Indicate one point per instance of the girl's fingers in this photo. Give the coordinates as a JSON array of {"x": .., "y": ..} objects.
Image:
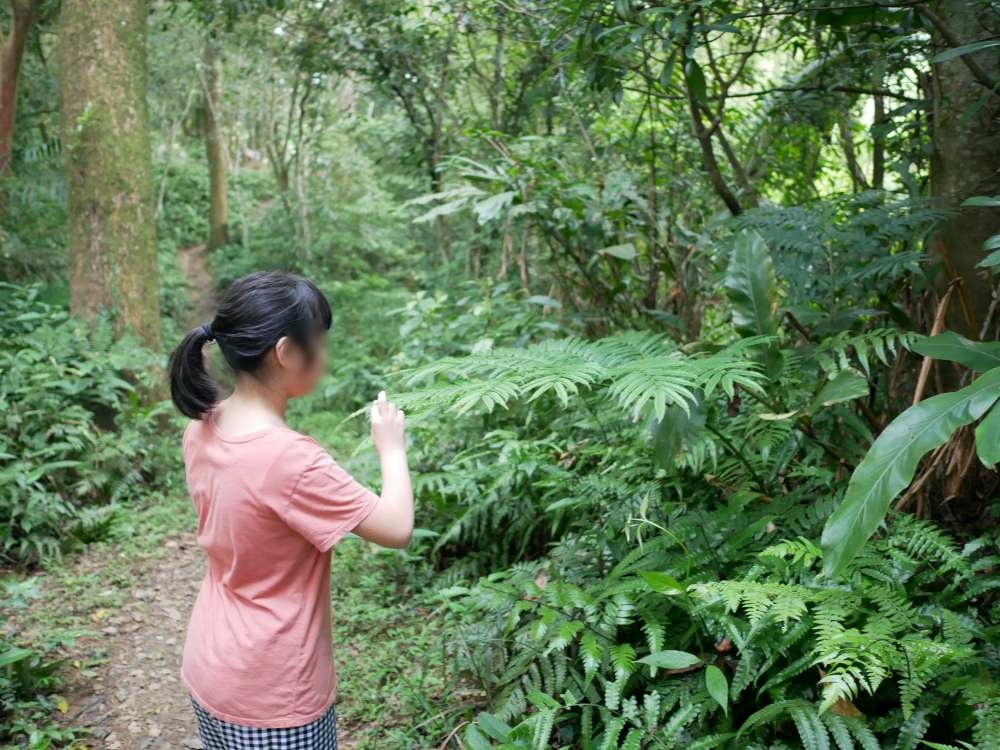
[{"x": 383, "y": 410}]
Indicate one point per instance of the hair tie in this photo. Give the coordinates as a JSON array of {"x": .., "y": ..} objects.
[{"x": 207, "y": 330}]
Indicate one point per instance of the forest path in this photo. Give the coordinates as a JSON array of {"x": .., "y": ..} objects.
[
  {"x": 193, "y": 261},
  {"x": 132, "y": 697},
  {"x": 135, "y": 699}
]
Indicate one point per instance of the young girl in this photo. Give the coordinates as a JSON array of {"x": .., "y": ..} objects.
[{"x": 271, "y": 504}]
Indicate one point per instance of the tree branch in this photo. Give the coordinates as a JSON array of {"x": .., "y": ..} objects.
[{"x": 722, "y": 189}]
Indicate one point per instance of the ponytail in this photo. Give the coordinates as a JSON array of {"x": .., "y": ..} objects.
[{"x": 191, "y": 387}]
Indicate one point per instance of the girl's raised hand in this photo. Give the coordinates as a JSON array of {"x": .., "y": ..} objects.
[
  {"x": 388, "y": 426},
  {"x": 391, "y": 522}
]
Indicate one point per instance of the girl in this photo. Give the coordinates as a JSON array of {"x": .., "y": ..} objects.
[{"x": 271, "y": 504}]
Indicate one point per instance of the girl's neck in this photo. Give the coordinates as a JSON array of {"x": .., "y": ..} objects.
[{"x": 255, "y": 404}]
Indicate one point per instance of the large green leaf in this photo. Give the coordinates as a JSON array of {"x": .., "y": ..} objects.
[
  {"x": 991, "y": 260},
  {"x": 717, "y": 686},
  {"x": 846, "y": 385},
  {"x": 982, "y": 201},
  {"x": 14, "y": 655},
  {"x": 988, "y": 438},
  {"x": 750, "y": 286},
  {"x": 979, "y": 356},
  {"x": 474, "y": 739},
  {"x": 694, "y": 76},
  {"x": 965, "y": 49},
  {"x": 891, "y": 462},
  {"x": 489, "y": 209},
  {"x": 670, "y": 659},
  {"x": 662, "y": 582},
  {"x": 678, "y": 428},
  {"x": 494, "y": 727},
  {"x": 625, "y": 251}
]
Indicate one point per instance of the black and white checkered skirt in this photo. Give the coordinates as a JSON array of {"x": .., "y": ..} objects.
[{"x": 217, "y": 734}]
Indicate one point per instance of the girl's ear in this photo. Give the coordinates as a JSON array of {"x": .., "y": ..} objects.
[{"x": 283, "y": 351}]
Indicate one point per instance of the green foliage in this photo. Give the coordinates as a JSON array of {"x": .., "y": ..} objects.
[
  {"x": 631, "y": 417},
  {"x": 634, "y": 601},
  {"x": 836, "y": 256},
  {"x": 751, "y": 287},
  {"x": 978, "y": 356},
  {"x": 642, "y": 373},
  {"x": 798, "y": 651},
  {"x": 28, "y": 676},
  {"x": 75, "y": 435},
  {"x": 892, "y": 462}
]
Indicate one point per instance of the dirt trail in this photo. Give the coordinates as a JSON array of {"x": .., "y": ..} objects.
[
  {"x": 194, "y": 265},
  {"x": 135, "y": 700}
]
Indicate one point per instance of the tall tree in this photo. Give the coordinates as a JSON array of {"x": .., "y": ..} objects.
[
  {"x": 23, "y": 14},
  {"x": 965, "y": 159},
  {"x": 215, "y": 148},
  {"x": 102, "y": 64}
]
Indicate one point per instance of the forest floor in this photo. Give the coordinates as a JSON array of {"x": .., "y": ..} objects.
[
  {"x": 119, "y": 611},
  {"x": 125, "y": 691},
  {"x": 194, "y": 266}
]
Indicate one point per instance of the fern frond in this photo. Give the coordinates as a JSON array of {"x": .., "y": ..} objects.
[{"x": 637, "y": 370}]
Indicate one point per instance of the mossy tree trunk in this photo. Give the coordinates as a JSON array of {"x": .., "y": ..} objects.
[
  {"x": 112, "y": 244},
  {"x": 215, "y": 148},
  {"x": 966, "y": 156},
  {"x": 23, "y": 13}
]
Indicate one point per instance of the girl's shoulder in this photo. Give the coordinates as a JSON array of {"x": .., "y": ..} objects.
[
  {"x": 274, "y": 443},
  {"x": 281, "y": 454}
]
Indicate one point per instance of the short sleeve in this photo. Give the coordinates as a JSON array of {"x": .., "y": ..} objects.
[{"x": 327, "y": 503}]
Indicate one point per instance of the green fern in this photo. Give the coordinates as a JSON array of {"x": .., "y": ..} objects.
[{"x": 640, "y": 372}]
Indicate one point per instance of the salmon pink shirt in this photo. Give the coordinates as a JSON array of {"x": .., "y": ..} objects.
[{"x": 271, "y": 505}]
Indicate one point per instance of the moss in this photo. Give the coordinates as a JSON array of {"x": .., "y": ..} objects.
[{"x": 102, "y": 60}]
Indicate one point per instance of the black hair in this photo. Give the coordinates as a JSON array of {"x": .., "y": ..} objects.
[{"x": 256, "y": 311}]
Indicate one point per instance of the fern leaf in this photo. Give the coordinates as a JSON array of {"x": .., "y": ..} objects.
[
  {"x": 633, "y": 741},
  {"x": 611, "y": 732},
  {"x": 812, "y": 732}
]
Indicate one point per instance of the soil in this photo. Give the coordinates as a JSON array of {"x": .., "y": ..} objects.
[
  {"x": 194, "y": 265},
  {"x": 136, "y": 699},
  {"x": 133, "y": 699}
]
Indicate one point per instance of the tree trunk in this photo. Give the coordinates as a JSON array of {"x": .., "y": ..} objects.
[
  {"x": 12, "y": 53},
  {"x": 966, "y": 154},
  {"x": 878, "y": 144},
  {"x": 845, "y": 127},
  {"x": 112, "y": 245},
  {"x": 215, "y": 150}
]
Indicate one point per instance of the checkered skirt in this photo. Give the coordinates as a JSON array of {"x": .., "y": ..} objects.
[{"x": 217, "y": 734}]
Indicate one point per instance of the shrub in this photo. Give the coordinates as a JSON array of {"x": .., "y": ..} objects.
[
  {"x": 76, "y": 439},
  {"x": 647, "y": 516}
]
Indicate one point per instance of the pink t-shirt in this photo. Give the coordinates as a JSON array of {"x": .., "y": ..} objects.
[{"x": 270, "y": 506}]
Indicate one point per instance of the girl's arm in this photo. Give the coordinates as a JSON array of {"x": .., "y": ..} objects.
[{"x": 390, "y": 524}]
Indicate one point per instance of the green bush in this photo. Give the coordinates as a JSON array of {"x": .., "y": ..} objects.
[
  {"x": 631, "y": 527},
  {"x": 76, "y": 441}
]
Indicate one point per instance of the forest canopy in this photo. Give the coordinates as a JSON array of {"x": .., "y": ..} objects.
[{"x": 691, "y": 305}]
